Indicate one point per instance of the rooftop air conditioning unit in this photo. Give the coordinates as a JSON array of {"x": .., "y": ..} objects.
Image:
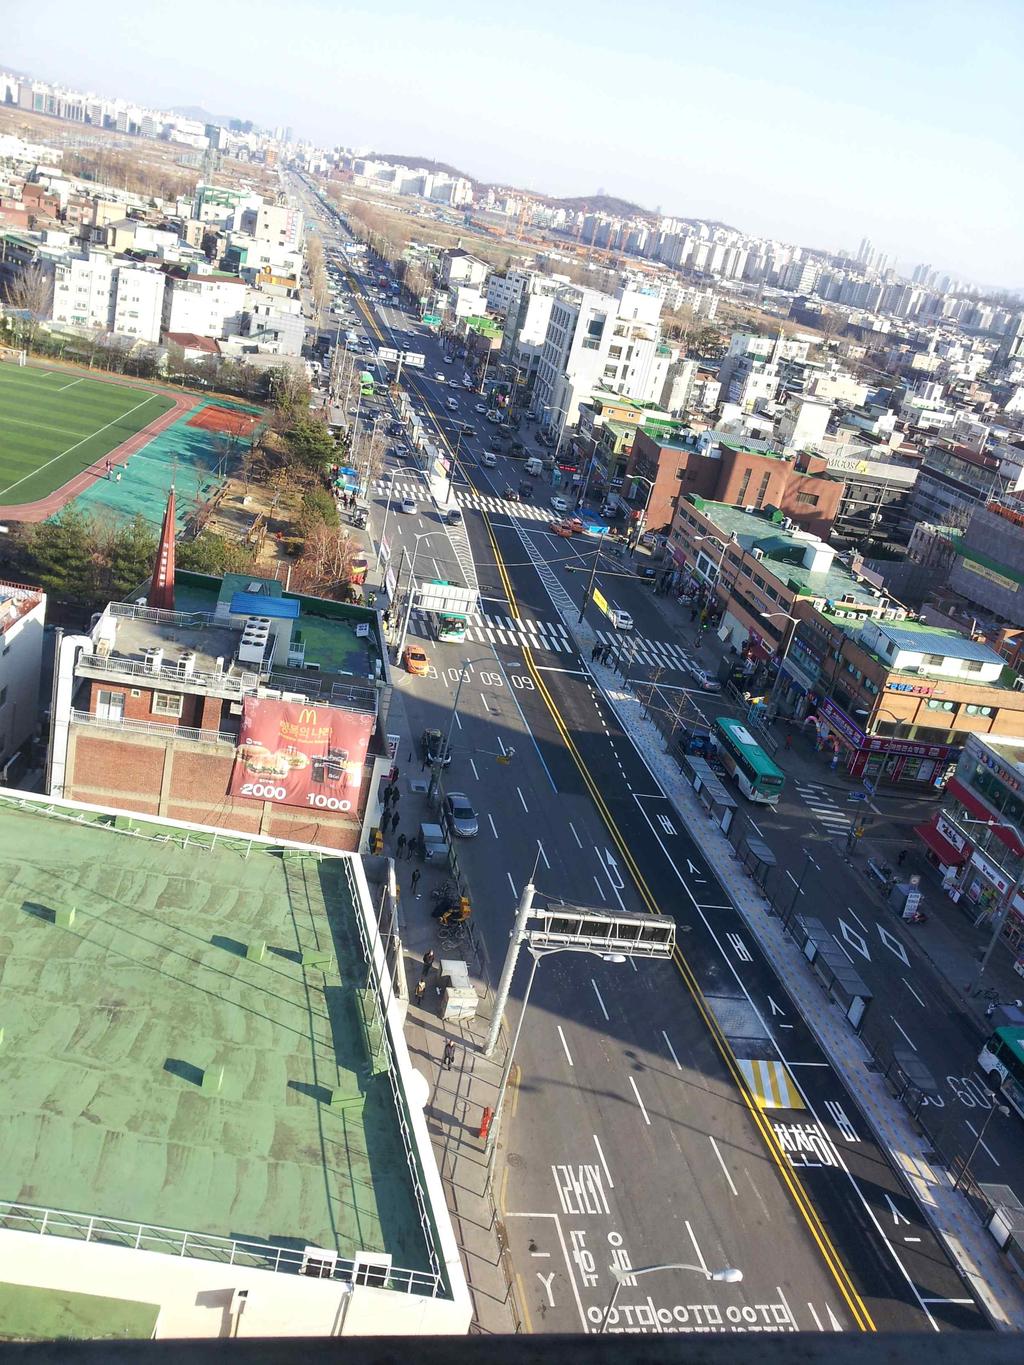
[
  {"x": 153, "y": 658},
  {"x": 187, "y": 663}
]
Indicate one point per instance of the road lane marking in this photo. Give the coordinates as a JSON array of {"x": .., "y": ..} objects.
[
  {"x": 600, "y": 892},
  {"x": 725, "y": 1169},
  {"x": 525, "y": 806},
  {"x": 770, "y": 1083},
  {"x": 565, "y": 1045},
  {"x": 647, "y": 1117},
  {"x": 511, "y": 883},
  {"x": 668, "y": 1043},
  {"x": 599, "y": 1000},
  {"x": 494, "y": 829},
  {"x": 540, "y": 848},
  {"x": 913, "y": 992},
  {"x": 696, "y": 1246},
  {"x": 814, "y": 1315},
  {"x": 983, "y": 1145},
  {"x": 607, "y": 1172},
  {"x": 904, "y": 1032},
  {"x": 575, "y": 835},
  {"x": 475, "y": 773}
]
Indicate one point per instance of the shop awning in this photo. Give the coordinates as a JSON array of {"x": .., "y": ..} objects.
[{"x": 948, "y": 854}]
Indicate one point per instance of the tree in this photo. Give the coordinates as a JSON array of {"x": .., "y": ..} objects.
[
  {"x": 318, "y": 509},
  {"x": 310, "y": 443},
  {"x": 31, "y": 293},
  {"x": 131, "y": 554},
  {"x": 213, "y": 554},
  {"x": 62, "y": 556},
  {"x": 289, "y": 389},
  {"x": 325, "y": 565}
]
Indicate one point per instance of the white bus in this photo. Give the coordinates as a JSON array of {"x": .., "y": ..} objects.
[{"x": 1002, "y": 1061}]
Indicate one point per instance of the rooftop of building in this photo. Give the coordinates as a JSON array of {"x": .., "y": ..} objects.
[
  {"x": 333, "y": 655},
  {"x": 116, "y": 1023},
  {"x": 783, "y": 552}
]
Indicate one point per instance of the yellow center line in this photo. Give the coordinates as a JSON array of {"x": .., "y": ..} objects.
[{"x": 819, "y": 1235}]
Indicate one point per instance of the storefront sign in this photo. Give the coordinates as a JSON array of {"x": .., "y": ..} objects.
[
  {"x": 917, "y": 689},
  {"x": 950, "y": 833},
  {"x": 994, "y": 765},
  {"x": 989, "y": 872},
  {"x": 841, "y": 723},
  {"x": 983, "y": 571},
  {"x": 879, "y": 744}
]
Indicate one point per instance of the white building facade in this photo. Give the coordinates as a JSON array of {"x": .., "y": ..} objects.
[{"x": 22, "y": 618}]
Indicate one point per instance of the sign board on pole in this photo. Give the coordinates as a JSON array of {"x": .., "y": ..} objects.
[
  {"x": 447, "y": 597},
  {"x": 387, "y": 353},
  {"x": 431, "y": 319},
  {"x": 390, "y": 583},
  {"x": 600, "y": 601},
  {"x": 414, "y": 360}
]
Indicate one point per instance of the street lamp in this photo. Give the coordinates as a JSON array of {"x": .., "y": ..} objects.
[
  {"x": 727, "y": 1275},
  {"x": 979, "y": 1139},
  {"x": 593, "y": 574},
  {"x": 641, "y": 520},
  {"x": 423, "y": 535},
  {"x": 446, "y": 745},
  {"x": 389, "y": 474},
  {"x": 770, "y": 615}
]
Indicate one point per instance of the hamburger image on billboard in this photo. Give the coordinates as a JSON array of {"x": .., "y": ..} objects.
[{"x": 297, "y": 754}]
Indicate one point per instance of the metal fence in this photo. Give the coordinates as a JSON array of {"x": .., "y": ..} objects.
[
  {"x": 152, "y": 727},
  {"x": 84, "y": 1227}
]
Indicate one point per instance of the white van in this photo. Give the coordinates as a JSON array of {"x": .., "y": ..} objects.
[
  {"x": 534, "y": 465},
  {"x": 489, "y": 459}
]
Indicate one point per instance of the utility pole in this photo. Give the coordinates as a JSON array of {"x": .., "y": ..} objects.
[
  {"x": 590, "y": 581},
  {"x": 446, "y": 743},
  {"x": 508, "y": 970}
]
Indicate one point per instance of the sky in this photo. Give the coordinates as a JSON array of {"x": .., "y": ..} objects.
[{"x": 811, "y": 121}]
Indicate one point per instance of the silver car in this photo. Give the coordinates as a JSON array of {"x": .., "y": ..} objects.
[{"x": 461, "y": 815}]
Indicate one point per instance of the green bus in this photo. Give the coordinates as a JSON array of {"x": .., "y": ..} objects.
[
  {"x": 757, "y": 777},
  {"x": 366, "y": 384},
  {"x": 1002, "y": 1061}
]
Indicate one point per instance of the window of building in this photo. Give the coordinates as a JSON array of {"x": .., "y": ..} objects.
[
  {"x": 978, "y": 710},
  {"x": 807, "y": 499},
  {"x": 935, "y": 660},
  {"x": 3, "y": 696},
  {"x": 744, "y": 484},
  {"x": 166, "y": 704},
  {"x": 941, "y": 706},
  {"x": 973, "y": 666},
  {"x": 765, "y": 480}
]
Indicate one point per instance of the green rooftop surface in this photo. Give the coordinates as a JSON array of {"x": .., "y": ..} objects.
[
  {"x": 31, "y": 1314},
  {"x": 111, "y": 1023},
  {"x": 782, "y": 550}
]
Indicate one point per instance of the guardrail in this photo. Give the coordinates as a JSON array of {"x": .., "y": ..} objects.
[
  {"x": 226, "y": 684},
  {"x": 152, "y": 727},
  {"x": 203, "y": 1246},
  {"x": 159, "y": 616}
]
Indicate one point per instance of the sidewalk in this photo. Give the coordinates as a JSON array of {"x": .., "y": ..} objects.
[{"x": 456, "y": 1099}]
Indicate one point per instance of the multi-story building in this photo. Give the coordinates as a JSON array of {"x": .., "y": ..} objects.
[
  {"x": 976, "y": 841},
  {"x": 85, "y": 290},
  {"x": 280, "y": 225},
  {"x": 989, "y": 566},
  {"x": 139, "y": 301},
  {"x": 954, "y": 480},
  {"x": 457, "y": 266},
  {"x": 22, "y": 619},
  {"x": 876, "y": 497},
  {"x": 197, "y": 713},
  {"x": 210, "y": 304},
  {"x": 274, "y": 321},
  {"x": 597, "y": 340}
]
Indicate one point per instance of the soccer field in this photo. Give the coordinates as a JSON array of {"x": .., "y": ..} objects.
[{"x": 54, "y": 424}]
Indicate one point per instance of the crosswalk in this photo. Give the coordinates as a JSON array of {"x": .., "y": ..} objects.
[
  {"x": 653, "y": 653},
  {"x": 823, "y": 803},
  {"x": 494, "y": 629},
  {"x": 465, "y": 497}
]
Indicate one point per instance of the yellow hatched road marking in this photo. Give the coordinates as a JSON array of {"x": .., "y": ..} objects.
[{"x": 770, "y": 1083}]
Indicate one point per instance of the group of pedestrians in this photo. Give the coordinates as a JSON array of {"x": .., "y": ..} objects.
[
  {"x": 600, "y": 654},
  {"x": 448, "y": 1055}
]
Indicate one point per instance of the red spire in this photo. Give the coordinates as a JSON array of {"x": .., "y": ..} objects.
[{"x": 161, "y": 589}]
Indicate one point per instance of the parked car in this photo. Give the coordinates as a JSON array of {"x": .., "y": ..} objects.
[
  {"x": 646, "y": 571},
  {"x": 433, "y": 748},
  {"x": 416, "y": 661},
  {"x": 703, "y": 678},
  {"x": 460, "y": 815},
  {"x": 481, "y": 408}
]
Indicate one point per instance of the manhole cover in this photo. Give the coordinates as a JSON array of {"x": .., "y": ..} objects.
[
  {"x": 515, "y": 1160},
  {"x": 736, "y": 1017}
]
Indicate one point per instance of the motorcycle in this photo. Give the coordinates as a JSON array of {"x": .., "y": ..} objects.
[{"x": 915, "y": 917}]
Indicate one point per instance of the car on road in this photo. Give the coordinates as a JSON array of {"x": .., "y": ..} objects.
[
  {"x": 416, "y": 661},
  {"x": 703, "y": 678},
  {"x": 452, "y": 405},
  {"x": 494, "y": 416},
  {"x": 434, "y": 750},
  {"x": 560, "y": 504},
  {"x": 646, "y": 571},
  {"x": 460, "y": 815},
  {"x": 567, "y": 528},
  {"x": 489, "y": 459},
  {"x": 409, "y": 505},
  {"x": 439, "y": 376},
  {"x": 620, "y": 619},
  {"x": 447, "y": 360},
  {"x": 481, "y": 408}
]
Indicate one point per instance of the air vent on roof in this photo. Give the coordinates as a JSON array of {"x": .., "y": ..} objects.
[{"x": 152, "y": 658}]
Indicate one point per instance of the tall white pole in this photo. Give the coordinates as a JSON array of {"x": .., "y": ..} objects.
[{"x": 508, "y": 970}]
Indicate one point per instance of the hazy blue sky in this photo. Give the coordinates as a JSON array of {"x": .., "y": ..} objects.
[{"x": 811, "y": 120}]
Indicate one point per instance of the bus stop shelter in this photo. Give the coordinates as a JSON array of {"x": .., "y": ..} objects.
[{"x": 710, "y": 791}]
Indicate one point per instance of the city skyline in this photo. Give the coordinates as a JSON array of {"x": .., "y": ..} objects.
[{"x": 751, "y": 130}]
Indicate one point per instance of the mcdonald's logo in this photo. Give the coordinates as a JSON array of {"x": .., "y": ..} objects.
[{"x": 307, "y": 716}]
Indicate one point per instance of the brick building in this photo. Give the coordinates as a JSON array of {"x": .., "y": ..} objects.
[
  {"x": 155, "y": 708},
  {"x": 713, "y": 466}
]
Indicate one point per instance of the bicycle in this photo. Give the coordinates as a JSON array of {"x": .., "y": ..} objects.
[{"x": 454, "y": 932}]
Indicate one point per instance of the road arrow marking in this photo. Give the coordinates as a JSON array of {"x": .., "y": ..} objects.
[{"x": 897, "y": 1217}]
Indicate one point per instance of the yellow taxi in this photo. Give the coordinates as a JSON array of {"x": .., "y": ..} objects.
[{"x": 416, "y": 661}]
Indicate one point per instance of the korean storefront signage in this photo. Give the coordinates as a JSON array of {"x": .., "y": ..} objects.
[{"x": 841, "y": 723}]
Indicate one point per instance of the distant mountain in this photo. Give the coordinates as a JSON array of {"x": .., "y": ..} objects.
[
  {"x": 424, "y": 162},
  {"x": 600, "y": 203}
]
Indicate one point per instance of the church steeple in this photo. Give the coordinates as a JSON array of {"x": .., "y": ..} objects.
[{"x": 161, "y": 589}]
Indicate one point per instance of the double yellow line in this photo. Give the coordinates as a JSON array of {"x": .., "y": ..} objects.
[{"x": 799, "y": 1195}]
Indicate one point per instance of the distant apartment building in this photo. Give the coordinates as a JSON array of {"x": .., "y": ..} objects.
[
  {"x": 954, "y": 479},
  {"x": 989, "y": 566},
  {"x": 139, "y": 302},
  {"x": 22, "y": 619},
  {"x": 85, "y": 290}
]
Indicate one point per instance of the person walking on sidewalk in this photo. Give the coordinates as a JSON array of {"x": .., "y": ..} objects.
[
  {"x": 449, "y": 1055},
  {"x": 789, "y": 741},
  {"x": 394, "y": 822},
  {"x": 901, "y": 857},
  {"x": 428, "y": 962},
  {"x": 400, "y": 846},
  {"x": 421, "y": 990},
  {"x": 414, "y": 882},
  {"x": 595, "y": 653}
]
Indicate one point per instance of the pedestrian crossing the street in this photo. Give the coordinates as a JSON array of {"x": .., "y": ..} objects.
[
  {"x": 652, "y": 653},
  {"x": 491, "y": 628},
  {"x": 823, "y": 803}
]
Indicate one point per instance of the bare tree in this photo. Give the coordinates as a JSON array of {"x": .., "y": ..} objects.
[
  {"x": 31, "y": 293},
  {"x": 326, "y": 563}
]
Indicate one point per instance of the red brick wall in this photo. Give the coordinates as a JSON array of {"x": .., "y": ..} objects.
[{"x": 141, "y": 707}]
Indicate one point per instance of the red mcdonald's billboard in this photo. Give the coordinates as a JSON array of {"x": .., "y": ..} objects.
[{"x": 298, "y": 754}]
